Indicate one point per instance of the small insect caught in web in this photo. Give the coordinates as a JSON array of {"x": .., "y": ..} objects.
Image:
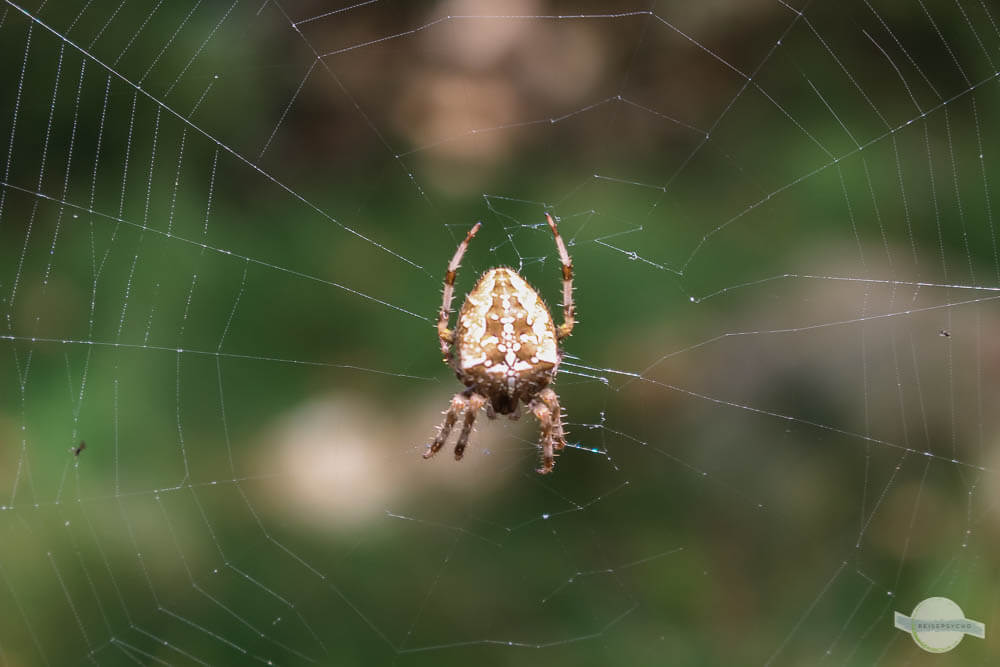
[
  {"x": 508, "y": 351},
  {"x": 79, "y": 448},
  {"x": 944, "y": 333}
]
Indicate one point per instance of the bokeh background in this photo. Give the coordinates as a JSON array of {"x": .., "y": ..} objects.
[{"x": 223, "y": 231}]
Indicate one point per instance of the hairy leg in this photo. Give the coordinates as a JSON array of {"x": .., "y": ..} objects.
[
  {"x": 476, "y": 402},
  {"x": 551, "y": 400},
  {"x": 544, "y": 416},
  {"x": 446, "y": 335},
  {"x": 458, "y": 403},
  {"x": 569, "y": 307}
]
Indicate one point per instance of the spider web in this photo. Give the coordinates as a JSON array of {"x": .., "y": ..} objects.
[{"x": 224, "y": 228}]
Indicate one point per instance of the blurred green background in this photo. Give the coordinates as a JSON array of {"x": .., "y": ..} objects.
[{"x": 223, "y": 233}]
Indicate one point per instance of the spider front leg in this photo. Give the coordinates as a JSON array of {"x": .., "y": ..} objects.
[
  {"x": 551, "y": 400},
  {"x": 476, "y": 402},
  {"x": 446, "y": 335},
  {"x": 470, "y": 404},
  {"x": 458, "y": 403},
  {"x": 546, "y": 419}
]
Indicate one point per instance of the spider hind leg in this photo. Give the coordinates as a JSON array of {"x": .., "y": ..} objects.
[
  {"x": 569, "y": 306},
  {"x": 446, "y": 335}
]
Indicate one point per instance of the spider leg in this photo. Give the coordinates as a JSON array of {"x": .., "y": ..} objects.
[
  {"x": 458, "y": 403},
  {"x": 446, "y": 335},
  {"x": 476, "y": 401},
  {"x": 551, "y": 400},
  {"x": 544, "y": 416},
  {"x": 490, "y": 412},
  {"x": 569, "y": 307}
]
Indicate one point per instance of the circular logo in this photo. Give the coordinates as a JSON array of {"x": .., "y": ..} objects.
[{"x": 937, "y": 625}]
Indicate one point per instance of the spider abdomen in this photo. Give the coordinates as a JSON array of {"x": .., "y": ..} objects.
[{"x": 506, "y": 339}]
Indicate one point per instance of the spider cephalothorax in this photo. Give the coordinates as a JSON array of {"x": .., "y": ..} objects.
[{"x": 508, "y": 350}]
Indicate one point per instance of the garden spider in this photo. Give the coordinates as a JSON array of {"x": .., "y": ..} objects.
[{"x": 507, "y": 351}]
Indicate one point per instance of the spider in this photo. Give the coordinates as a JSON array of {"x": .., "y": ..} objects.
[{"x": 508, "y": 351}]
